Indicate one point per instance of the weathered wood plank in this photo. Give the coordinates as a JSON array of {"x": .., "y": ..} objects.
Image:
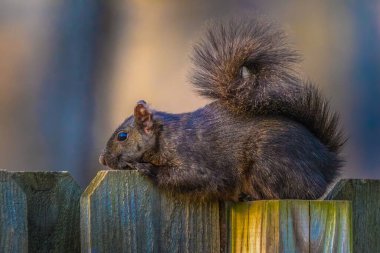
[
  {"x": 268, "y": 226},
  {"x": 289, "y": 226},
  {"x": 330, "y": 226},
  {"x": 365, "y": 197},
  {"x": 295, "y": 226},
  {"x": 53, "y": 210},
  {"x": 238, "y": 217},
  {"x": 13, "y": 221},
  {"x": 122, "y": 211}
]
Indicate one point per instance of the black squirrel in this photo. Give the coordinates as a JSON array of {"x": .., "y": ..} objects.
[{"x": 268, "y": 134}]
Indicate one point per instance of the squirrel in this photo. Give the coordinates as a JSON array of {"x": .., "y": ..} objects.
[{"x": 267, "y": 134}]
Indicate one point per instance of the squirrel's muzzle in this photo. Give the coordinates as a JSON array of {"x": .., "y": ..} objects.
[{"x": 102, "y": 161}]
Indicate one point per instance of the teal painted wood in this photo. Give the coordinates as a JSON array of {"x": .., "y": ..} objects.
[
  {"x": 53, "y": 210},
  {"x": 122, "y": 211},
  {"x": 330, "y": 226},
  {"x": 365, "y": 197},
  {"x": 13, "y": 221}
]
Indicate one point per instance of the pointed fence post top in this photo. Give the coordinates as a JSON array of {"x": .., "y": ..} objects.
[{"x": 122, "y": 211}]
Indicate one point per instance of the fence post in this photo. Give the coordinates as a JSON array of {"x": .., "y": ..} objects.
[
  {"x": 53, "y": 210},
  {"x": 365, "y": 197},
  {"x": 13, "y": 222},
  {"x": 121, "y": 211},
  {"x": 289, "y": 226}
]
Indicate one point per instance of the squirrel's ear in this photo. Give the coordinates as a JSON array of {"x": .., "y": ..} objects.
[
  {"x": 245, "y": 72},
  {"x": 143, "y": 116}
]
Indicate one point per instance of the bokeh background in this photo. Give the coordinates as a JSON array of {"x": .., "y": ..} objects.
[{"x": 71, "y": 71}]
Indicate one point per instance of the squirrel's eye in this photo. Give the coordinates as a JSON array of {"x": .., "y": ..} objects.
[{"x": 122, "y": 136}]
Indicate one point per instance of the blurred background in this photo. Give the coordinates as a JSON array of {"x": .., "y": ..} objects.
[{"x": 71, "y": 71}]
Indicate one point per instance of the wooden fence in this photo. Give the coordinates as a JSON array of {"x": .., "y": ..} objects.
[{"x": 121, "y": 211}]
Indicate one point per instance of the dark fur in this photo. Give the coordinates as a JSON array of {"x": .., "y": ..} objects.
[
  {"x": 274, "y": 88},
  {"x": 268, "y": 135}
]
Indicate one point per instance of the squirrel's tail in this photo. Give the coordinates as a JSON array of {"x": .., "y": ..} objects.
[
  {"x": 312, "y": 110},
  {"x": 249, "y": 67}
]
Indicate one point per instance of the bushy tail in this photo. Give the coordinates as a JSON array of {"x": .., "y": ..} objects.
[
  {"x": 312, "y": 110},
  {"x": 249, "y": 67}
]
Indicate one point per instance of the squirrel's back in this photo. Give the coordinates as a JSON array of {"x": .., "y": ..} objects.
[{"x": 262, "y": 156}]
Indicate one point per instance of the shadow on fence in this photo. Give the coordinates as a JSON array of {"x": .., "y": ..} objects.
[{"x": 121, "y": 211}]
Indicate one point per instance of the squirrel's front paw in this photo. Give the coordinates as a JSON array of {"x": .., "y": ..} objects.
[
  {"x": 129, "y": 166},
  {"x": 146, "y": 169}
]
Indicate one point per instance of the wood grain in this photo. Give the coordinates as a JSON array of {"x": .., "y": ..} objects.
[
  {"x": 289, "y": 226},
  {"x": 122, "y": 211},
  {"x": 365, "y": 197},
  {"x": 53, "y": 211},
  {"x": 330, "y": 226},
  {"x": 13, "y": 221}
]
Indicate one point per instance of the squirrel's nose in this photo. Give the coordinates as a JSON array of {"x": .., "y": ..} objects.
[{"x": 102, "y": 161}]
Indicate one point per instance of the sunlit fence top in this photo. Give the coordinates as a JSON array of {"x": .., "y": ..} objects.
[{"x": 121, "y": 211}]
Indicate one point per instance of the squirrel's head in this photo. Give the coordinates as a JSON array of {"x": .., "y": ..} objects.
[{"x": 131, "y": 140}]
